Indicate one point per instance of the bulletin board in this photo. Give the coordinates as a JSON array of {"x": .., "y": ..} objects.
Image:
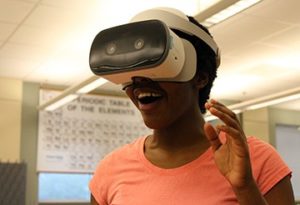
[{"x": 75, "y": 137}]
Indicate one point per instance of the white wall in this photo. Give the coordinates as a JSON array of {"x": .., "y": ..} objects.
[
  {"x": 256, "y": 123},
  {"x": 10, "y": 119}
]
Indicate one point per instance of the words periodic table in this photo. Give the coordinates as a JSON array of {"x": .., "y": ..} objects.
[{"x": 75, "y": 137}]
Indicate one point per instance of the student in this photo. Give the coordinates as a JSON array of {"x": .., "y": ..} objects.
[{"x": 187, "y": 161}]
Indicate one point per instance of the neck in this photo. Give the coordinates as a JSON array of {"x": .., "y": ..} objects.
[
  {"x": 184, "y": 133},
  {"x": 177, "y": 144}
]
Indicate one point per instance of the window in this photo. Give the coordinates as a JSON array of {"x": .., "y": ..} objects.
[{"x": 67, "y": 187}]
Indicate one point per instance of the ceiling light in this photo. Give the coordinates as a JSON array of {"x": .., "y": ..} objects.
[
  {"x": 91, "y": 86},
  {"x": 257, "y": 103},
  {"x": 72, "y": 93},
  {"x": 222, "y": 11},
  {"x": 61, "y": 102},
  {"x": 274, "y": 102}
]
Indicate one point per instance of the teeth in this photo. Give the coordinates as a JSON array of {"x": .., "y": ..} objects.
[{"x": 142, "y": 95}]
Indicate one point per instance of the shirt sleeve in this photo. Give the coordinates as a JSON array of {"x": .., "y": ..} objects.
[
  {"x": 98, "y": 183},
  {"x": 268, "y": 166}
]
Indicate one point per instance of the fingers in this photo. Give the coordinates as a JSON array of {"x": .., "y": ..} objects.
[
  {"x": 223, "y": 113},
  {"x": 212, "y": 136},
  {"x": 234, "y": 133},
  {"x": 231, "y": 125}
]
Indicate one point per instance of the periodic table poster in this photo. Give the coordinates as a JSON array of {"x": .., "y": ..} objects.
[{"x": 75, "y": 137}]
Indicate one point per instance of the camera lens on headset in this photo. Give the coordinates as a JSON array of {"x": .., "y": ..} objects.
[
  {"x": 111, "y": 48},
  {"x": 138, "y": 44}
]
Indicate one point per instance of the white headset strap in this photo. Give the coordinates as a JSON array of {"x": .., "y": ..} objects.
[{"x": 176, "y": 22}]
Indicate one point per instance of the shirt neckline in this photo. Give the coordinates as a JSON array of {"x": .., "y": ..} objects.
[{"x": 172, "y": 171}]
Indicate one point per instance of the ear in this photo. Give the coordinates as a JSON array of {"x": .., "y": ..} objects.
[{"x": 201, "y": 80}]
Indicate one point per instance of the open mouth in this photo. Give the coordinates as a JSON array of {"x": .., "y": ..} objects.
[{"x": 149, "y": 97}]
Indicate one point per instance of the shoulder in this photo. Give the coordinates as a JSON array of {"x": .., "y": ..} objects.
[
  {"x": 267, "y": 165},
  {"x": 262, "y": 152},
  {"x": 259, "y": 145}
]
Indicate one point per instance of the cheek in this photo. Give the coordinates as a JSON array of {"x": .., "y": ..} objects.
[
  {"x": 181, "y": 99},
  {"x": 180, "y": 95}
]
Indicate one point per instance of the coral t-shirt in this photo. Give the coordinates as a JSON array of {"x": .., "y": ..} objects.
[{"x": 126, "y": 177}]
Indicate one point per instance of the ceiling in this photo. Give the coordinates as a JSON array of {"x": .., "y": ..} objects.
[{"x": 48, "y": 41}]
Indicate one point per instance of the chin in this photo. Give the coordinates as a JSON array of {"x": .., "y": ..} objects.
[
  {"x": 152, "y": 125},
  {"x": 156, "y": 124}
]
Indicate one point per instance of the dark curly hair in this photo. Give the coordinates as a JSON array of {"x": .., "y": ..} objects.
[{"x": 206, "y": 61}]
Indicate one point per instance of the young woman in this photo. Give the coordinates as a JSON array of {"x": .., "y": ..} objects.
[{"x": 186, "y": 160}]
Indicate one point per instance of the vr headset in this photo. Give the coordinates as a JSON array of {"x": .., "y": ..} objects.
[{"x": 147, "y": 47}]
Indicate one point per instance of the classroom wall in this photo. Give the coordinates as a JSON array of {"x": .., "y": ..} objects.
[
  {"x": 10, "y": 119},
  {"x": 284, "y": 117},
  {"x": 262, "y": 122},
  {"x": 256, "y": 123}
]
